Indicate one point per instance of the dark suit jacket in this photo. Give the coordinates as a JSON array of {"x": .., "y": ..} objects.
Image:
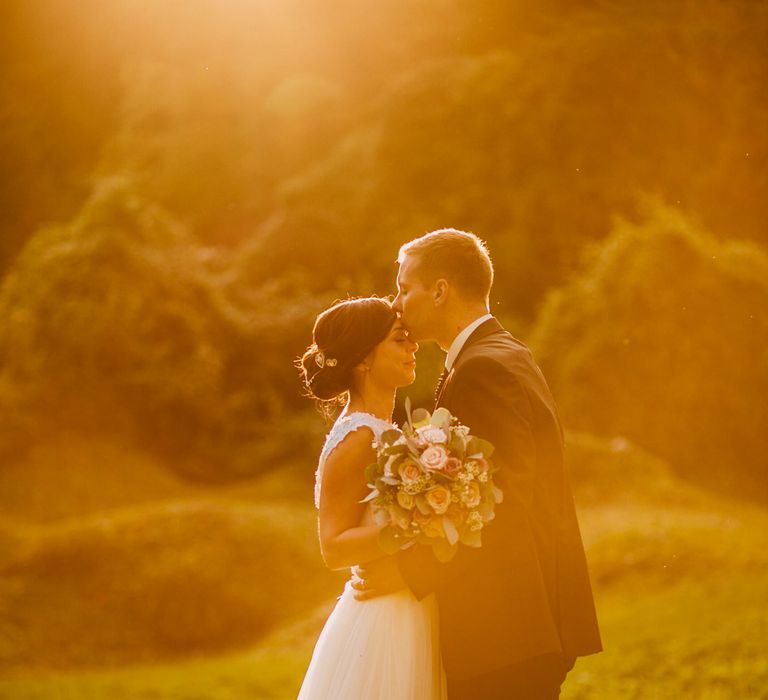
[{"x": 526, "y": 591}]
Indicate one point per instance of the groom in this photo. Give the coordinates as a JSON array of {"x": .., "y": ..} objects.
[{"x": 516, "y": 612}]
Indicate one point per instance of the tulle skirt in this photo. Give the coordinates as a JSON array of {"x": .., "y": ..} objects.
[{"x": 386, "y": 648}]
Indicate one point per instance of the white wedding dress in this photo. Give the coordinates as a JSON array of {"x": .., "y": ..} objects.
[{"x": 385, "y": 648}]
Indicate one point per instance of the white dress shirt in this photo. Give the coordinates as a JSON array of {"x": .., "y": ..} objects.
[{"x": 461, "y": 338}]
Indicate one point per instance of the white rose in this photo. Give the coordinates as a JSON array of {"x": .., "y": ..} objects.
[{"x": 432, "y": 434}]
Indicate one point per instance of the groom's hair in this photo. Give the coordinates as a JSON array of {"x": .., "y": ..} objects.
[{"x": 460, "y": 258}]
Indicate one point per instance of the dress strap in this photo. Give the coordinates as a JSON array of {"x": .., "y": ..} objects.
[{"x": 341, "y": 428}]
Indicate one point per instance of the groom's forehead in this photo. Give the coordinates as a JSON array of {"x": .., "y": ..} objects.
[{"x": 407, "y": 272}]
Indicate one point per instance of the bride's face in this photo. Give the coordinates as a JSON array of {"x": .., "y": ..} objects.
[{"x": 393, "y": 361}]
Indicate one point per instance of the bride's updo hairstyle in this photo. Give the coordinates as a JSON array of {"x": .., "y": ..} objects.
[{"x": 344, "y": 335}]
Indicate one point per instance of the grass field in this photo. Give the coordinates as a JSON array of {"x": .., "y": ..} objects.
[
  {"x": 681, "y": 584},
  {"x": 692, "y": 640}
]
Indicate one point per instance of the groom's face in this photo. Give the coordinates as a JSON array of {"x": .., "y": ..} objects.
[{"x": 414, "y": 301}]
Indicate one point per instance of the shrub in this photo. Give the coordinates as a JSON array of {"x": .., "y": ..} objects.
[
  {"x": 662, "y": 338},
  {"x": 120, "y": 321}
]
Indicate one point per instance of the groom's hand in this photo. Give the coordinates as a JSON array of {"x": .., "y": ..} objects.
[{"x": 377, "y": 578}]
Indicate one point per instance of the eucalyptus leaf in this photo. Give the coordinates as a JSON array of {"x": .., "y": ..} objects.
[
  {"x": 472, "y": 538},
  {"x": 484, "y": 446},
  {"x": 451, "y": 533},
  {"x": 422, "y": 505},
  {"x": 441, "y": 418},
  {"x": 373, "y": 494},
  {"x": 420, "y": 417},
  {"x": 456, "y": 446},
  {"x": 390, "y": 436},
  {"x": 444, "y": 551}
]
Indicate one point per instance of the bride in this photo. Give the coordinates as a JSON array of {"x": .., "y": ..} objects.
[{"x": 386, "y": 647}]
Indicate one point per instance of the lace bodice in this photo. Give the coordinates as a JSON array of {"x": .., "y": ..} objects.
[{"x": 341, "y": 428}]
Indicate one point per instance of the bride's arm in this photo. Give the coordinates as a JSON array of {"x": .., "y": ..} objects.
[{"x": 344, "y": 541}]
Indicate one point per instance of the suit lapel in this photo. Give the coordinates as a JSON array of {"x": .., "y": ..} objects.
[
  {"x": 482, "y": 331},
  {"x": 441, "y": 384}
]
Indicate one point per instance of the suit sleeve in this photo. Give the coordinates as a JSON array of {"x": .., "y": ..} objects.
[{"x": 489, "y": 399}]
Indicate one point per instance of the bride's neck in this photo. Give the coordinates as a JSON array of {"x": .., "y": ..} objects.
[{"x": 379, "y": 404}]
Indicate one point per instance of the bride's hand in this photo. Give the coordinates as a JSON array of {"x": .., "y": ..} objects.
[{"x": 377, "y": 578}]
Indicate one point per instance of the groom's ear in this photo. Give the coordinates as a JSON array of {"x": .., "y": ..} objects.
[{"x": 440, "y": 292}]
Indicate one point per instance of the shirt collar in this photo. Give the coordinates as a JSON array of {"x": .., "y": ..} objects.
[{"x": 461, "y": 338}]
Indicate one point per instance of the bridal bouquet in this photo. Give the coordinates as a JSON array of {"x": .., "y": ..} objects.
[{"x": 432, "y": 483}]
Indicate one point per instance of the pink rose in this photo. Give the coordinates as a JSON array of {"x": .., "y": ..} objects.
[
  {"x": 439, "y": 498},
  {"x": 452, "y": 466},
  {"x": 409, "y": 471},
  {"x": 434, "y": 458}
]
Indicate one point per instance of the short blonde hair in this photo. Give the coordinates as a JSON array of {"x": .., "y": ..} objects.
[{"x": 459, "y": 257}]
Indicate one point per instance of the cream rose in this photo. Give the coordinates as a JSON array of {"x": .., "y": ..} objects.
[
  {"x": 409, "y": 471},
  {"x": 405, "y": 500},
  {"x": 439, "y": 498},
  {"x": 434, "y": 458}
]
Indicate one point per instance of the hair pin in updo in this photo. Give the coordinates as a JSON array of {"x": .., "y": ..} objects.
[{"x": 321, "y": 360}]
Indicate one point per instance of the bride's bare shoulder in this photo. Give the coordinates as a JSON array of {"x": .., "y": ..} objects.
[{"x": 357, "y": 444}]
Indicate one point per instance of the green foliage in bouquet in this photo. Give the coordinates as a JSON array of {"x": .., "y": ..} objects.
[{"x": 432, "y": 484}]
